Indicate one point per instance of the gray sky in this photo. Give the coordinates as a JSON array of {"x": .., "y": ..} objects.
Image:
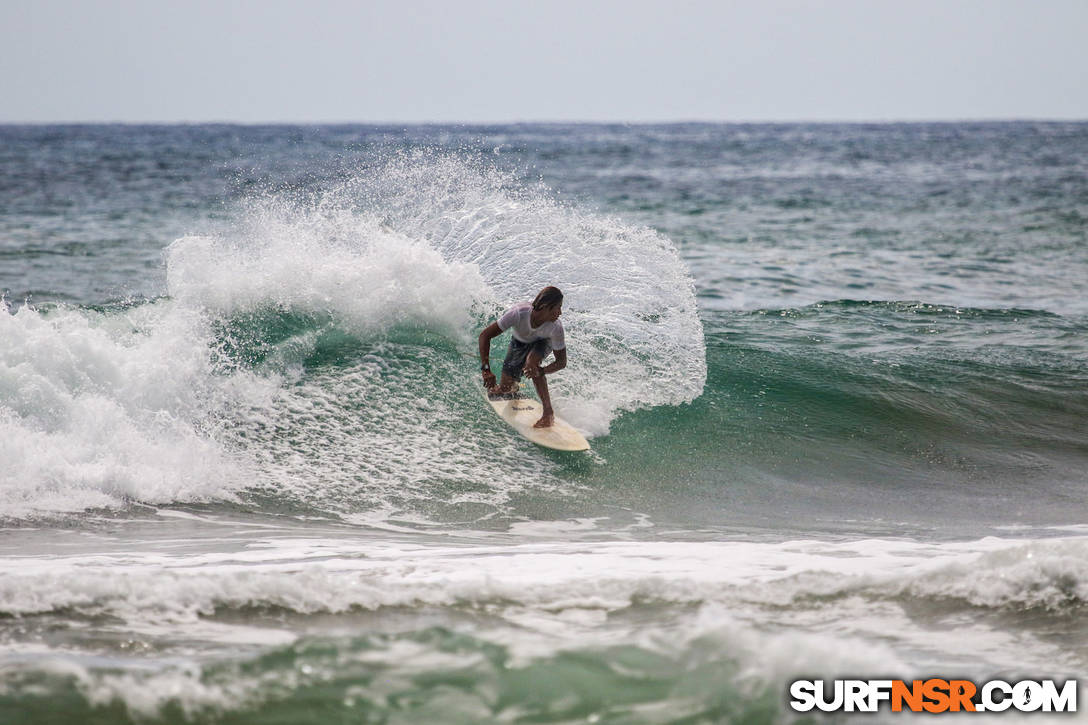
[{"x": 511, "y": 60}]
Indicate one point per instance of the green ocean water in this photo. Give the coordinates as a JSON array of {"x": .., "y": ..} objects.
[{"x": 834, "y": 377}]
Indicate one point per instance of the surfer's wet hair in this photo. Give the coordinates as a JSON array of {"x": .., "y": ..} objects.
[{"x": 547, "y": 297}]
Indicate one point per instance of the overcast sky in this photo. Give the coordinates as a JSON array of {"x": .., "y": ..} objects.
[{"x": 513, "y": 60}]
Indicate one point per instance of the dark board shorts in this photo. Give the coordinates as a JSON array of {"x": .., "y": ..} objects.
[{"x": 519, "y": 351}]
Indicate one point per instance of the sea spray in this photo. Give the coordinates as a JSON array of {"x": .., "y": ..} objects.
[{"x": 634, "y": 333}]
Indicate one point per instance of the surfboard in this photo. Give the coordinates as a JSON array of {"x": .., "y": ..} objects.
[{"x": 520, "y": 412}]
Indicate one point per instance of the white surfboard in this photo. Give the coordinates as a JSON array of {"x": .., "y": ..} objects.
[{"x": 520, "y": 412}]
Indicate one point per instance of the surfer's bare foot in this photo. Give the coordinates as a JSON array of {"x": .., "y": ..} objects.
[{"x": 546, "y": 421}]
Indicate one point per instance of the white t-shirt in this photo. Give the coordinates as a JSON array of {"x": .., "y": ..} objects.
[{"x": 517, "y": 319}]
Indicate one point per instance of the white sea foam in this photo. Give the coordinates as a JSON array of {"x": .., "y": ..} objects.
[
  {"x": 1050, "y": 575},
  {"x": 774, "y": 611},
  {"x": 143, "y": 693},
  {"x": 97, "y": 409},
  {"x": 324, "y": 261},
  {"x": 309, "y": 576}
]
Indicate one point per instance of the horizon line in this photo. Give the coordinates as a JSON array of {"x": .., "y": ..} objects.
[{"x": 548, "y": 122}]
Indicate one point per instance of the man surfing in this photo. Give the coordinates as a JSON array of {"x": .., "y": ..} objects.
[{"x": 535, "y": 331}]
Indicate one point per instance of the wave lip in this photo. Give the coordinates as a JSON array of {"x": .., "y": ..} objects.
[{"x": 1050, "y": 575}]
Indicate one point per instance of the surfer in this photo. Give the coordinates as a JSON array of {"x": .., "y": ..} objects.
[{"x": 535, "y": 331}]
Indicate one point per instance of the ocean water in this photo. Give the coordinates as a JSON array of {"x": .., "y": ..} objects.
[{"x": 835, "y": 378}]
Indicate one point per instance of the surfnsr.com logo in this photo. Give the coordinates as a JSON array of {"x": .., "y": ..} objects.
[{"x": 933, "y": 695}]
